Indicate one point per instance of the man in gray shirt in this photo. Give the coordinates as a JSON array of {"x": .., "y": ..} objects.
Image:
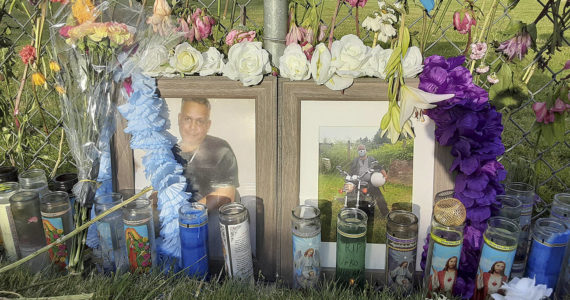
[{"x": 362, "y": 164}]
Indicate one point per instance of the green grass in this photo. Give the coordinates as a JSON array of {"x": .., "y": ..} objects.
[
  {"x": 159, "y": 286},
  {"x": 331, "y": 202}
]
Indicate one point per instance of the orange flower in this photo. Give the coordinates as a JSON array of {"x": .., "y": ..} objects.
[
  {"x": 84, "y": 11},
  {"x": 38, "y": 78}
]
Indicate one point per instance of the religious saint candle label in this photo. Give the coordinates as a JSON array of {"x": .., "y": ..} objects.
[
  {"x": 106, "y": 242},
  {"x": 138, "y": 248},
  {"x": 494, "y": 268},
  {"x": 445, "y": 260},
  {"x": 237, "y": 250},
  {"x": 53, "y": 229},
  {"x": 307, "y": 265},
  {"x": 544, "y": 262},
  {"x": 401, "y": 262}
]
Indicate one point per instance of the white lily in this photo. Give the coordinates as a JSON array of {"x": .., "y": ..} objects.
[
  {"x": 413, "y": 98},
  {"x": 372, "y": 23},
  {"x": 320, "y": 67}
]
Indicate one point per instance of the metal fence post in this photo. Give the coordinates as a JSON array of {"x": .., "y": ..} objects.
[{"x": 274, "y": 28}]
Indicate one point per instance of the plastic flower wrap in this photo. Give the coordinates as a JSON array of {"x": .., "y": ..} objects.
[{"x": 86, "y": 44}]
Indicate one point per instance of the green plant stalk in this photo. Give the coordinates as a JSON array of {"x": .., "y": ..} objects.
[
  {"x": 486, "y": 27},
  {"x": 77, "y": 230}
]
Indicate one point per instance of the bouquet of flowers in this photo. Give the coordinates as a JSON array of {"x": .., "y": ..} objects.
[{"x": 86, "y": 45}]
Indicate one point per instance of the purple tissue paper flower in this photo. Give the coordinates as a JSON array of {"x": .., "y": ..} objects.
[{"x": 472, "y": 127}]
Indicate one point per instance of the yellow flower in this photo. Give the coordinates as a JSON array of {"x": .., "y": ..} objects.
[
  {"x": 83, "y": 11},
  {"x": 120, "y": 34},
  {"x": 54, "y": 66},
  {"x": 59, "y": 89},
  {"x": 99, "y": 32},
  {"x": 62, "y": 259},
  {"x": 38, "y": 78},
  {"x": 60, "y": 231},
  {"x": 145, "y": 240}
]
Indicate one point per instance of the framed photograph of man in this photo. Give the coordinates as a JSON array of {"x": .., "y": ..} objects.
[
  {"x": 332, "y": 155},
  {"x": 226, "y": 141}
]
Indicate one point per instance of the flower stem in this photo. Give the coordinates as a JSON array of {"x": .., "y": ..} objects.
[
  {"x": 77, "y": 230},
  {"x": 357, "y": 23},
  {"x": 333, "y": 24}
]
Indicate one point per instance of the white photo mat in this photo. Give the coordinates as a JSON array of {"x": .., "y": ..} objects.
[{"x": 315, "y": 114}]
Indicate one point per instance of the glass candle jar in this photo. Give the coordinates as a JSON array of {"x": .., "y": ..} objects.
[
  {"x": 351, "y": 246},
  {"x": 65, "y": 183},
  {"x": 34, "y": 180},
  {"x": 25, "y": 207},
  {"x": 193, "y": 220},
  {"x": 234, "y": 231},
  {"x": 497, "y": 257},
  {"x": 549, "y": 238},
  {"x": 7, "y": 227},
  {"x": 511, "y": 208},
  {"x": 443, "y": 195},
  {"x": 525, "y": 193},
  {"x": 139, "y": 235},
  {"x": 110, "y": 232},
  {"x": 444, "y": 252},
  {"x": 8, "y": 174},
  {"x": 306, "y": 230},
  {"x": 367, "y": 206},
  {"x": 57, "y": 221},
  {"x": 561, "y": 208},
  {"x": 401, "y": 249},
  {"x": 562, "y": 290}
]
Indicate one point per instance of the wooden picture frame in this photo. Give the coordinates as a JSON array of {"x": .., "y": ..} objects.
[
  {"x": 265, "y": 98},
  {"x": 291, "y": 96}
]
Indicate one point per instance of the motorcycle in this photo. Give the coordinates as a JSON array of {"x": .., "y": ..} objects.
[{"x": 357, "y": 193}]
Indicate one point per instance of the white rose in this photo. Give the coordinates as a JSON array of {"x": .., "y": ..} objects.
[
  {"x": 321, "y": 64},
  {"x": 213, "y": 62},
  {"x": 153, "y": 57},
  {"x": 376, "y": 65},
  {"x": 247, "y": 62},
  {"x": 293, "y": 63},
  {"x": 413, "y": 62},
  {"x": 186, "y": 59},
  {"x": 349, "y": 54}
]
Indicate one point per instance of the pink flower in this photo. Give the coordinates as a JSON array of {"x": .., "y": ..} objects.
[
  {"x": 238, "y": 36},
  {"x": 355, "y": 3},
  {"x": 540, "y": 111},
  {"x": 202, "y": 24},
  {"x": 463, "y": 20},
  {"x": 61, "y": 246},
  {"x": 478, "y": 50},
  {"x": 33, "y": 220},
  {"x": 309, "y": 35},
  {"x": 56, "y": 236},
  {"x": 567, "y": 65},
  {"x": 141, "y": 245},
  {"x": 308, "y": 49},
  {"x": 323, "y": 30},
  {"x": 482, "y": 69},
  {"x": 549, "y": 118},
  {"x": 28, "y": 54},
  {"x": 516, "y": 46},
  {"x": 296, "y": 35},
  {"x": 146, "y": 256},
  {"x": 128, "y": 85},
  {"x": 492, "y": 79},
  {"x": 559, "y": 106},
  {"x": 185, "y": 28},
  {"x": 247, "y": 36}
]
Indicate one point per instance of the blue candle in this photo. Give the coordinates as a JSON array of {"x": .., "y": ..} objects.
[
  {"x": 547, "y": 251},
  {"x": 193, "y": 220}
]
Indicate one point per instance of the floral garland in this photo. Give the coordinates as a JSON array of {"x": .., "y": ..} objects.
[
  {"x": 147, "y": 127},
  {"x": 472, "y": 127}
]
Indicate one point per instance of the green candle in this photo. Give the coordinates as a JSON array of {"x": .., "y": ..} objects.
[{"x": 351, "y": 246}]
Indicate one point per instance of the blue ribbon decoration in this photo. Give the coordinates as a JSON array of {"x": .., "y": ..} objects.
[{"x": 144, "y": 112}]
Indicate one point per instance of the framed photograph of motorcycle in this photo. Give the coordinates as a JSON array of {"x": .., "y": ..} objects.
[
  {"x": 332, "y": 154},
  {"x": 226, "y": 140}
]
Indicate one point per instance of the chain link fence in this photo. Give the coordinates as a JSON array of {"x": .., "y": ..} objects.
[{"x": 42, "y": 144}]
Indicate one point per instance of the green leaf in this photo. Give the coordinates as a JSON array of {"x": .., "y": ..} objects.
[
  {"x": 511, "y": 4},
  {"x": 558, "y": 127},
  {"x": 405, "y": 41},
  {"x": 385, "y": 121},
  {"x": 396, "y": 118},
  {"x": 393, "y": 61},
  {"x": 505, "y": 75},
  {"x": 531, "y": 29}
]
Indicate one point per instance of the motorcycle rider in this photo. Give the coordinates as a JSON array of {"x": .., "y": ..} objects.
[{"x": 362, "y": 164}]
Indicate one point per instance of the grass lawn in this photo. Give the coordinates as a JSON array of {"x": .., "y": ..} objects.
[{"x": 331, "y": 202}]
